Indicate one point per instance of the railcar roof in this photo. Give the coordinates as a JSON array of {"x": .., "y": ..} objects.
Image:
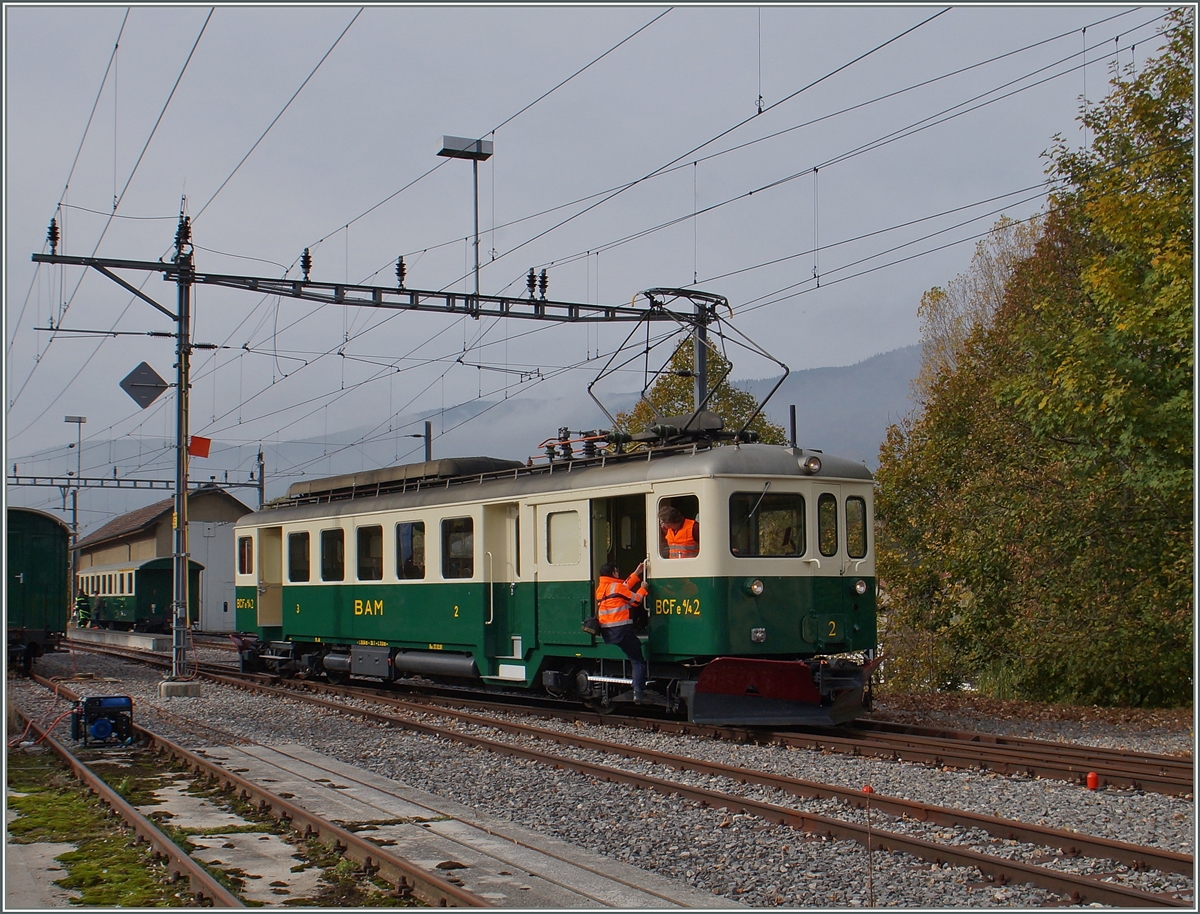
[
  {"x": 157, "y": 563},
  {"x": 14, "y": 512},
  {"x": 565, "y": 477}
]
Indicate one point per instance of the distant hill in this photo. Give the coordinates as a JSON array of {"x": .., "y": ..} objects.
[{"x": 845, "y": 411}]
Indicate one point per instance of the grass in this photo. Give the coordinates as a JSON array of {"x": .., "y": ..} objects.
[{"x": 108, "y": 868}]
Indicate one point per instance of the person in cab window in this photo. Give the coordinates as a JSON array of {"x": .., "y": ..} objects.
[
  {"x": 615, "y": 600},
  {"x": 682, "y": 534}
]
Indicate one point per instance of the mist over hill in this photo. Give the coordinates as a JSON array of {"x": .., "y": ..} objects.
[{"x": 843, "y": 411}]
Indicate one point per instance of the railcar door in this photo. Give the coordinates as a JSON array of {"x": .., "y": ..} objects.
[
  {"x": 510, "y": 629},
  {"x": 563, "y": 557},
  {"x": 270, "y": 576},
  {"x": 826, "y": 626}
]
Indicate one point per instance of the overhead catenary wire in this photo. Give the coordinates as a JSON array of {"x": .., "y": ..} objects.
[
  {"x": 808, "y": 123},
  {"x": 116, "y": 204},
  {"x": 75, "y": 161}
]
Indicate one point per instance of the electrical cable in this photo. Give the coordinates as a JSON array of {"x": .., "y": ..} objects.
[
  {"x": 75, "y": 161},
  {"x": 96, "y": 247}
]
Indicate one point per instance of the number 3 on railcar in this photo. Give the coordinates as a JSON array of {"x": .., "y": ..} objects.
[{"x": 481, "y": 571}]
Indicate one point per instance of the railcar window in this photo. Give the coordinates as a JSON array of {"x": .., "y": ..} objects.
[
  {"x": 333, "y": 555},
  {"x": 856, "y": 527},
  {"x": 766, "y": 525},
  {"x": 410, "y": 551},
  {"x": 458, "y": 547},
  {"x": 827, "y": 523},
  {"x": 245, "y": 555},
  {"x": 370, "y": 553},
  {"x": 298, "y": 557},
  {"x": 562, "y": 538},
  {"x": 678, "y": 537}
]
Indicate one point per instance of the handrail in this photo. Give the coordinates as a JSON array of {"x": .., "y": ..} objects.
[{"x": 491, "y": 595}]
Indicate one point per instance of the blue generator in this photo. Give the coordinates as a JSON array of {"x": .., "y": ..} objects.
[{"x": 104, "y": 719}]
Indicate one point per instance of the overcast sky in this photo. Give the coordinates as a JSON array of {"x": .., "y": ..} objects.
[{"x": 845, "y": 189}]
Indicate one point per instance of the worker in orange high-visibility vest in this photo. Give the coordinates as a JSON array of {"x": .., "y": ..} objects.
[
  {"x": 681, "y": 534},
  {"x": 615, "y": 600}
]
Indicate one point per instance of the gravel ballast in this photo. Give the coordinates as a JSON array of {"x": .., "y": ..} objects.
[{"x": 739, "y": 858}]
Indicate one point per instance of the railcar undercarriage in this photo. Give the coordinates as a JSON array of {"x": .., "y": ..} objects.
[{"x": 723, "y": 691}]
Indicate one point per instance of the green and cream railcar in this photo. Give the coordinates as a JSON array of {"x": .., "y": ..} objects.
[
  {"x": 137, "y": 595},
  {"x": 484, "y": 570}
]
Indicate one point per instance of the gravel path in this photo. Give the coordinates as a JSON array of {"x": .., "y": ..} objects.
[{"x": 737, "y": 857}]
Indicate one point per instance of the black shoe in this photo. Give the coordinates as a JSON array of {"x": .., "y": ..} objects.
[{"x": 638, "y": 696}]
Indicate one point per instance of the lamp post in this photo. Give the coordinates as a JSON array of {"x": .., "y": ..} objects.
[
  {"x": 428, "y": 436},
  {"x": 78, "y": 422},
  {"x": 458, "y": 147}
]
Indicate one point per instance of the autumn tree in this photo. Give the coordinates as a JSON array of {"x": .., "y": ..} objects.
[
  {"x": 672, "y": 395},
  {"x": 1035, "y": 515},
  {"x": 969, "y": 302}
]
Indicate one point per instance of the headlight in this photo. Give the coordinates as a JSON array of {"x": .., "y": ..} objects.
[
  {"x": 812, "y": 464},
  {"x": 755, "y": 587},
  {"x": 860, "y": 587}
]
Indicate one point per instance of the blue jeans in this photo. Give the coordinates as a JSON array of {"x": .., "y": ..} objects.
[{"x": 624, "y": 637}]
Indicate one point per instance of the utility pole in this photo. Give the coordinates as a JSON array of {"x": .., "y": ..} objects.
[
  {"x": 262, "y": 479},
  {"x": 700, "y": 356},
  {"x": 174, "y": 684},
  {"x": 78, "y": 422}
]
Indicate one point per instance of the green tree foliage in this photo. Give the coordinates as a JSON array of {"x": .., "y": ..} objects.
[
  {"x": 1036, "y": 515},
  {"x": 671, "y": 395}
]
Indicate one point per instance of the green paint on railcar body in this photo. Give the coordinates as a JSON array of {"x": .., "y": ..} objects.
[{"x": 521, "y": 626}]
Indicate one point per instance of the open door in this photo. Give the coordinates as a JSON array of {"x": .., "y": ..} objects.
[{"x": 618, "y": 533}]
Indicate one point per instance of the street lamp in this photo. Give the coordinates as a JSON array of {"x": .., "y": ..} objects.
[
  {"x": 78, "y": 422},
  {"x": 428, "y": 436},
  {"x": 459, "y": 147}
]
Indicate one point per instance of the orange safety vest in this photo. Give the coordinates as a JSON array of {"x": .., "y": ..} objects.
[
  {"x": 682, "y": 543},
  {"x": 614, "y": 597}
]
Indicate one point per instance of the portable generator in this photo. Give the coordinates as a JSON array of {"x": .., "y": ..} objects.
[{"x": 103, "y": 719}]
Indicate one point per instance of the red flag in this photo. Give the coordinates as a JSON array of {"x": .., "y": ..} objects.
[{"x": 198, "y": 447}]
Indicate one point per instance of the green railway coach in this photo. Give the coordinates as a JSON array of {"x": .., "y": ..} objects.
[
  {"x": 137, "y": 595},
  {"x": 39, "y": 583},
  {"x": 482, "y": 570}
]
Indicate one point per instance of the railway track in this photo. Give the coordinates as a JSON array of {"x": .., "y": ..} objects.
[
  {"x": 507, "y": 870},
  {"x": 205, "y": 889},
  {"x": 939, "y": 747},
  {"x": 409, "y": 879},
  {"x": 1068, "y": 885},
  {"x": 1077, "y": 888}
]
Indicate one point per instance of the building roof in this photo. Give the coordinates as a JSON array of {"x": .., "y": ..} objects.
[{"x": 144, "y": 519}]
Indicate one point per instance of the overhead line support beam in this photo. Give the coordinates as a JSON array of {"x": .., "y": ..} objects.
[{"x": 385, "y": 296}]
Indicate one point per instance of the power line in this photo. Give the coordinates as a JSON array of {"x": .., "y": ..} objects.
[
  {"x": 116, "y": 204},
  {"x": 279, "y": 115}
]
